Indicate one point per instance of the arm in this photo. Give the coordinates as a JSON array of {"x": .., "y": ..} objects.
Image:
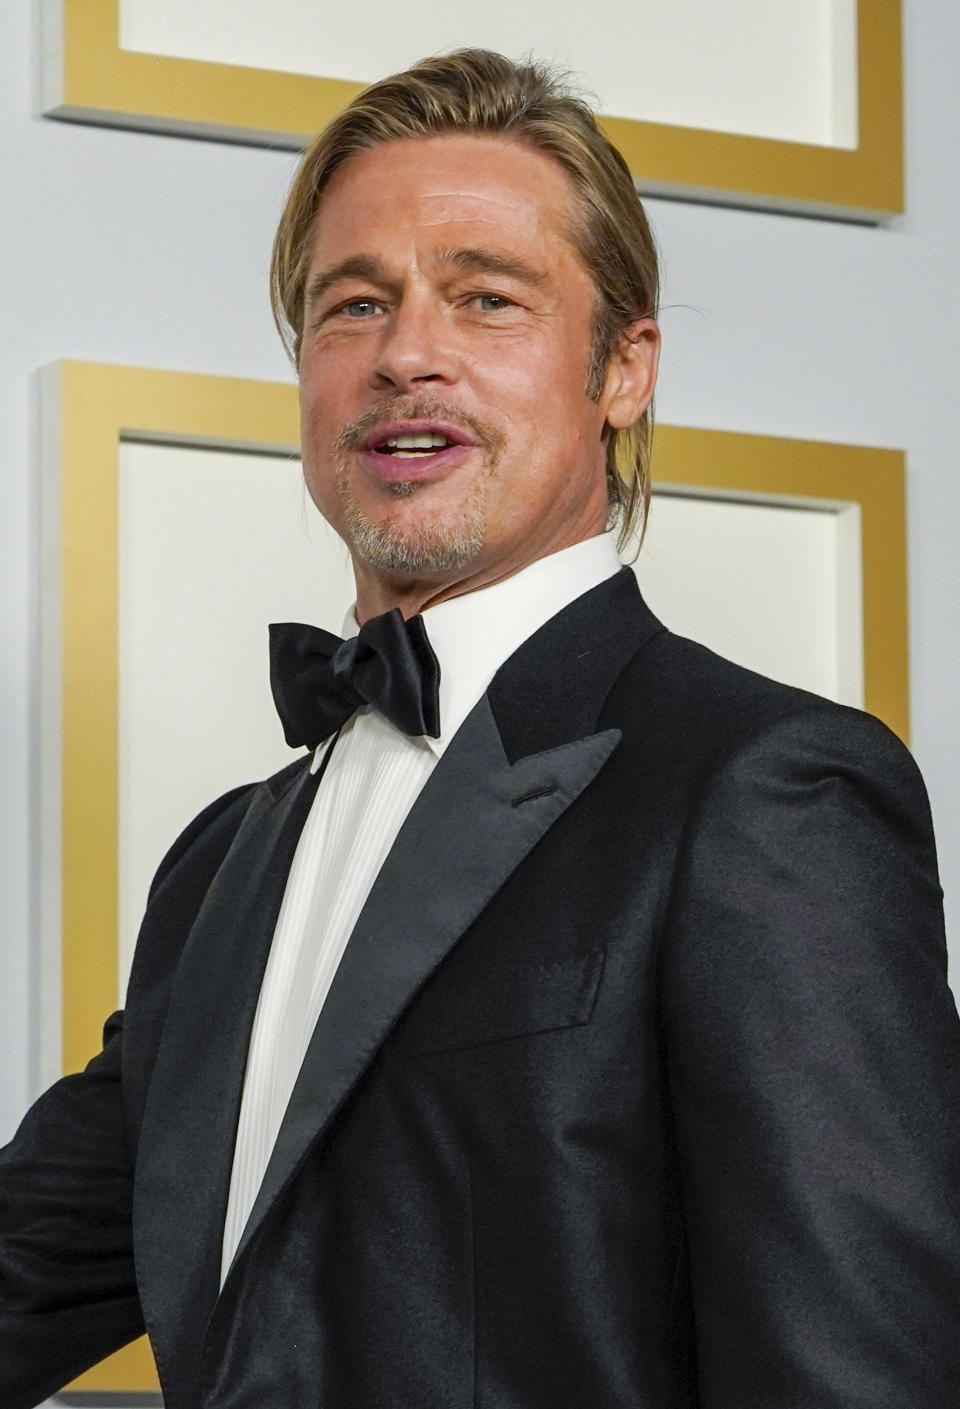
[
  {"x": 67, "y": 1288},
  {"x": 68, "y": 1294},
  {"x": 813, "y": 1055}
]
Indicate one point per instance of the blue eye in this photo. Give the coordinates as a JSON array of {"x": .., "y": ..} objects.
[
  {"x": 497, "y": 300},
  {"x": 359, "y": 303}
]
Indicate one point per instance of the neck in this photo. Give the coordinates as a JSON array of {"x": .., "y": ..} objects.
[
  {"x": 415, "y": 594},
  {"x": 380, "y": 591}
]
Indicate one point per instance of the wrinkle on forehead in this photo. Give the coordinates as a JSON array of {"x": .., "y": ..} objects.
[{"x": 480, "y": 209}]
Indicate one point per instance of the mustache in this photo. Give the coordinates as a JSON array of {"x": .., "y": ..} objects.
[{"x": 353, "y": 434}]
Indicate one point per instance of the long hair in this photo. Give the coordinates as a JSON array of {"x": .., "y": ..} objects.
[{"x": 479, "y": 91}]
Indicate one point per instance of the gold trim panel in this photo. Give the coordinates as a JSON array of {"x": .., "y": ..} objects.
[
  {"x": 808, "y": 469},
  {"x": 97, "y": 81}
]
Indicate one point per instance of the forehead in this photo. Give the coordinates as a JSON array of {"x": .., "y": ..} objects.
[{"x": 497, "y": 188}]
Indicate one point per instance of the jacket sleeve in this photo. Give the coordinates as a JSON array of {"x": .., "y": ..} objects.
[
  {"x": 813, "y": 1057},
  {"x": 68, "y": 1294},
  {"x": 67, "y": 1289}
]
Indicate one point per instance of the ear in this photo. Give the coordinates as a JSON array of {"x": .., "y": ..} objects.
[{"x": 631, "y": 374}]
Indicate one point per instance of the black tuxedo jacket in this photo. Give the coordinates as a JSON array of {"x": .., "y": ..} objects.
[{"x": 638, "y": 1086}]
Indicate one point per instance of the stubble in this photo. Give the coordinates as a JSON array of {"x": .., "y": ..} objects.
[{"x": 417, "y": 544}]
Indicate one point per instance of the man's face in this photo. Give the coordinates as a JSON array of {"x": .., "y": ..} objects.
[{"x": 447, "y": 433}]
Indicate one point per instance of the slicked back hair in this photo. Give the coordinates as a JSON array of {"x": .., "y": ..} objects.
[{"x": 482, "y": 92}]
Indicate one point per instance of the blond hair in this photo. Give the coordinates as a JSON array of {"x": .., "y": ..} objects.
[{"x": 479, "y": 91}]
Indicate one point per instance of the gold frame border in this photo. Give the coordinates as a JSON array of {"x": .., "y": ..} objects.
[
  {"x": 89, "y": 78},
  {"x": 99, "y": 405},
  {"x": 873, "y": 478}
]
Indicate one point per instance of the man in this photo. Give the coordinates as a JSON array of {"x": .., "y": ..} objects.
[{"x": 569, "y": 1027}]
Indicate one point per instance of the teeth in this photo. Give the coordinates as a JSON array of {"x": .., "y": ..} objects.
[{"x": 424, "y": 440}]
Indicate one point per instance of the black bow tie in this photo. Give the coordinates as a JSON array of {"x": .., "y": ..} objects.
[{"x": 318, "y": 680}]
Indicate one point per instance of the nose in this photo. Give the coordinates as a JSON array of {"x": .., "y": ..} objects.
[{"x": 415, "y": 346}]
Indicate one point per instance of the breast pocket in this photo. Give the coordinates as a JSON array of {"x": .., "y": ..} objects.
[{"x": 515, "y": 1000}]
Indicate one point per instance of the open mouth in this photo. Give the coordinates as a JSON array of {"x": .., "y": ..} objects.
[
  {"x": 415, "y": 446},
  {"x": 422, "y": 450}
]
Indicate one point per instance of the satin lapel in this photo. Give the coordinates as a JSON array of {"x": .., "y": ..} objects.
[
  {"x": 475, "y": 821},
  {"x": 189, "y": 1127}
]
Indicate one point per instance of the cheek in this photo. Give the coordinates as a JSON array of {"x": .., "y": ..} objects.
[
  {"x": 327, "y": 373},
  {"x": 312, "y": 432},
  {"x": 317, "y": 397},
  {"x": 550, "y": 415},
  {"x": 552, "y": 373},
  {"x": 317, "y": 430}
]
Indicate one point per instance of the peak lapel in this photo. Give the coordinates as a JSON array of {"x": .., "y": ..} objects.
[
  {"x": 555, "y": 686},
  {"x": 189, "y": 1126},
  {"x": 476, "y": 819}
]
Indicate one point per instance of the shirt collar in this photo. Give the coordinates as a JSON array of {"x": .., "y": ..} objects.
[{"x": 474, "y": 634}]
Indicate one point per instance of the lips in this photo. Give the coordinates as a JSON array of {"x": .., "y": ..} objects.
[
  {"x": 414, "y": 438},
  {"x": 414, "y": 450},
  {"x": 395, "y": 468}
]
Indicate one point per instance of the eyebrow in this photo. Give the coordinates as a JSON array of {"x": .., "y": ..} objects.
[
  {"x": 357, "y": 266},
  {"x": 476, "y": 260},
  {"x": 467, "y": 260}
]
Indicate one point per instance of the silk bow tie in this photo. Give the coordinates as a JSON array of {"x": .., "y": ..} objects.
[{"x": 318, "y": 680}]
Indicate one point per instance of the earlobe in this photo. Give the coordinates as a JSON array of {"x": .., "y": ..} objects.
[{"x": 632, "y": 374}]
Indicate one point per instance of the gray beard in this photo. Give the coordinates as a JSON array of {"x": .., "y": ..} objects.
[{"x": 420, "y": 550}]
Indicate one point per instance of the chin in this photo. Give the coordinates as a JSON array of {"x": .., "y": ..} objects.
[
  {"x": 415, "y": 538},
  {"x": 422, "y": 548}
]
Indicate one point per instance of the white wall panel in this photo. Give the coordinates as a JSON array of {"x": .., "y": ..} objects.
[
  {"x": 767, "y": 68},
  {"x": 775, "y": 588}
]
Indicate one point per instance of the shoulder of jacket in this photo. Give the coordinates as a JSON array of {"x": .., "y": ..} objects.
[
  {"x": 703, "y": 711},
  {"x": 217, "y": 823},
  {"x": 224, "y": 813}
]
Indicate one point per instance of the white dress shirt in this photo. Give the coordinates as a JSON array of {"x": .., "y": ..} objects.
[{"x": 373, "y": 777}]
